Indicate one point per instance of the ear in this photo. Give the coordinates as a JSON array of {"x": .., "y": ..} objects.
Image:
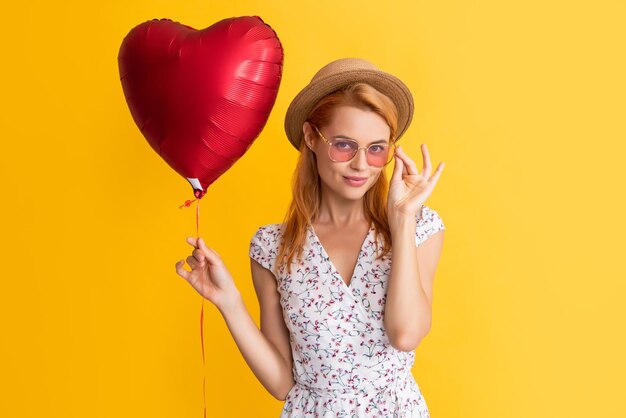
[{"x": 307, "y": 134}]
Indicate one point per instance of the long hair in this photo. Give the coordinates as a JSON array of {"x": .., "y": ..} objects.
[{"x": 306, "y": 183}]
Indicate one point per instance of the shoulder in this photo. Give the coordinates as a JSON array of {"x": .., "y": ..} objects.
[
  {"x": 266, "y": 238},
  {"x": 264, "y": 245},
  {"x": 267, "y": 233},
  {"x": 428, "y": 224}
]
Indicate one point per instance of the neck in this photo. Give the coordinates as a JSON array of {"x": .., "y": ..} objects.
[{"x": 340, "y": 212}]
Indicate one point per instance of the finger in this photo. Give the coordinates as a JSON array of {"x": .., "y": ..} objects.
[
  {"x": 192, "y": 241},
  {"x": 438, "y": 171},
  {"x": 427, "y": 165},
  {"x": 411, "y": 168},
  {"x": 193, "y": 262},
  {"x": 198, "y": 254},
  {"x": 402, "y": 158},
  {"x": 210, "y": 253},
  {"x": 181, "y": 270},
  {"x": 397, "y": 168}
]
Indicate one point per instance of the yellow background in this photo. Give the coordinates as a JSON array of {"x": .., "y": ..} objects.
[{"x": 523, "y": 101}]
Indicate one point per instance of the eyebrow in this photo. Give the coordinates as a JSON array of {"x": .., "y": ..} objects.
[{"x": 373, "y": 142}]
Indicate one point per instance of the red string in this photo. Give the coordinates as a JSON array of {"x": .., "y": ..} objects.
[
  {"x": 187, "y": 204},
  {"x": 201, "y": 312}
]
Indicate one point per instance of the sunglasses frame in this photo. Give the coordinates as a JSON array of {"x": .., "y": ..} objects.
[{"x": 359, "y": 147}]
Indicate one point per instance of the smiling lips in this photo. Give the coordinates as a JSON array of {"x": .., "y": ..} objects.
[{"x": 355, "y": 181}]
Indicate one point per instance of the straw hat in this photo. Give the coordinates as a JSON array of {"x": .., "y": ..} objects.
[{"x": 338, "y": 74}]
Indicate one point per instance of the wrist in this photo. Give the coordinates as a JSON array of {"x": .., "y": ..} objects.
[
  {"x": 402, "y": 224},
  {"x": 402, "y": 220},
  {"x": 230, "y": 304}
]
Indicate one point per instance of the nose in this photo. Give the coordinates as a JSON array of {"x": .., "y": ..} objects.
[{"x": 359, "y": 161}]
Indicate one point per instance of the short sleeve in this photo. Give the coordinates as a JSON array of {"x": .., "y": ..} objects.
[
  {"x": 427, "y": 225},
  {"x": 262, "y": 247}
]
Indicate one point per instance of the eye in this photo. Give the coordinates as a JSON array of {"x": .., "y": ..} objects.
[
  {"x": 343, "y": 145},
  {"x": 378, "y": 148}
]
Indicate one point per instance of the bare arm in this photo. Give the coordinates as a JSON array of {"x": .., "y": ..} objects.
[
  {"x": 408, "y": 309},
  {"x": 267, "y": 351}
]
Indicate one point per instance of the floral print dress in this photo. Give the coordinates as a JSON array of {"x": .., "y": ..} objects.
[{"x": 343, "y": 363}]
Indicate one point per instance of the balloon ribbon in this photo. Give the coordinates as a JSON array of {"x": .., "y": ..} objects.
[{"x": 187, "y": 204}]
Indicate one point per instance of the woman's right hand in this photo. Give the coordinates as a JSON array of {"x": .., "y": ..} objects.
[{"x": 208, "y": 275}]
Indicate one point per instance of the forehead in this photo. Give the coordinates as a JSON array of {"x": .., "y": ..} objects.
[{"x": 362, "y": 125}]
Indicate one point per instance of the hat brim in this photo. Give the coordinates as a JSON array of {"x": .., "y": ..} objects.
[{"x": 307, "y": 98}]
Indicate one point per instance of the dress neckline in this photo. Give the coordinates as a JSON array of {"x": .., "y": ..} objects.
[{"x": 330, "y": 262}]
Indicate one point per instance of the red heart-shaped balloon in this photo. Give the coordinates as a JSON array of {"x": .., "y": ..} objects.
[{"x": 201, "y": 97}]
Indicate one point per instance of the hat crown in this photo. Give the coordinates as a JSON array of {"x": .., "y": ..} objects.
[
  {"x": 338, "y": 74},
  {"x": 343, "y": 65}
]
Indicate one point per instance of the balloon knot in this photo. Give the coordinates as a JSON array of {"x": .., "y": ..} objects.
[{"x": 187, "y": 203}]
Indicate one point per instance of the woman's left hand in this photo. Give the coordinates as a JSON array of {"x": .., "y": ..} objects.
[{"x": 409, "y": 189}]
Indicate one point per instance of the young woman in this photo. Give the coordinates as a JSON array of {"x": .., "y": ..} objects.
[{"x": 341, "y": 313}]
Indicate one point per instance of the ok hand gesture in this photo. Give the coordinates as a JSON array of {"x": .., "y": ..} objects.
[{"x": 408, "y": 188}]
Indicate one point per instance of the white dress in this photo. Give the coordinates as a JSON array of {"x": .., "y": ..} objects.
[{"x": 343, "y": 364}]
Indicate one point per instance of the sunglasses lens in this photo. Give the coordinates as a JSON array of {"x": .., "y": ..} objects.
[
  {"x": 378, "y": 155},
  {"x": 343, "y": 150}
]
